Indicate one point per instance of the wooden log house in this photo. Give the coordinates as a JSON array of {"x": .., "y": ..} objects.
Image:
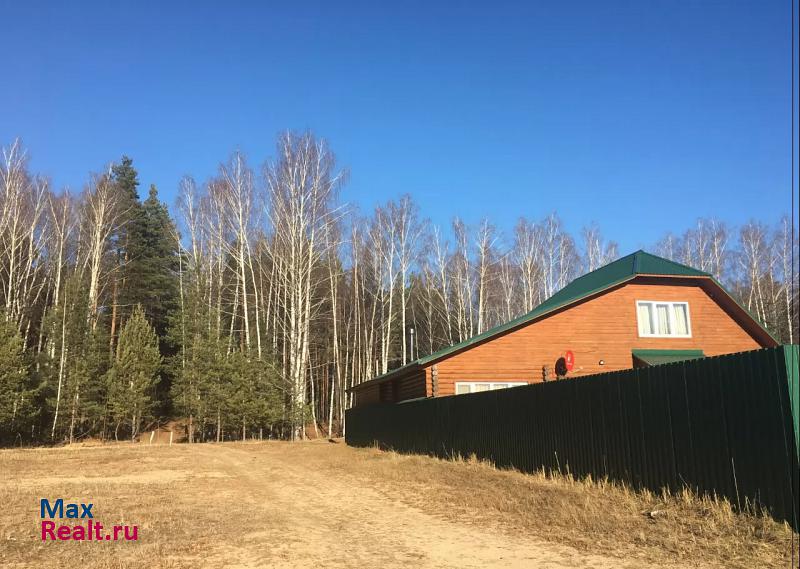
[{"x": 639, "y": 310}]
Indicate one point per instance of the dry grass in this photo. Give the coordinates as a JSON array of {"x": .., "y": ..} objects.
[
  {"x": 597, "y": 516},
  {"x": 103, "y": 476},
  {"x": 322, "y": 504}
]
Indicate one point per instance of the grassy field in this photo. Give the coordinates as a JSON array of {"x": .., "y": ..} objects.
[{"x": 327, "y": 505}]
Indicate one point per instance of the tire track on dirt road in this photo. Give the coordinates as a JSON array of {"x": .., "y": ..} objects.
[{"x": 327, "y": 522}]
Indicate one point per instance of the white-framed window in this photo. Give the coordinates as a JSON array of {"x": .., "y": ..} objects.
[
  {"x": 477, "y": 386},
  {"x": 662, "y": 319}
]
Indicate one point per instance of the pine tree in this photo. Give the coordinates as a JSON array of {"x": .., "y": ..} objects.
[
  {"x": 125, "y": 286},
  {"x": 252, "y": 397},
  {"x": 228, "y": 391},
  {"x": 152, "y": 263},
  {"x": 15, "y": 392},
  {"x": 152, "y": 270},
  {"x": 134, "y": 374},
  {"x": 147, "y": 253},
  {"x": 126, "y": 178},
  {"x": 155, "y": 264}
]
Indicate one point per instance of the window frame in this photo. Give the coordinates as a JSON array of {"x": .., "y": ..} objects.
[
  {"x": 472, "y": 384},
  {"x": 670, "y": 312}
]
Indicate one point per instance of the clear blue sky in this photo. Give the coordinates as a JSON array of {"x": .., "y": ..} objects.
[{"x": 639, "y": 115}]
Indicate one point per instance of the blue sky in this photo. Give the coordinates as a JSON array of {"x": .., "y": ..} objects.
[{"x": 641, "y": 116}]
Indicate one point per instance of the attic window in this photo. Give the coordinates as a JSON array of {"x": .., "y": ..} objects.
[{"x": 659, "y": 319}]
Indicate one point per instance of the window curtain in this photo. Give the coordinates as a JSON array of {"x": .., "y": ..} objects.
[
  {"x": 681, "y": 321},
  {"x": 663, "y": 318},
  {"x": 645, "y": 319}
]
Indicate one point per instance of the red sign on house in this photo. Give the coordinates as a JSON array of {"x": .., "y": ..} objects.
[{"x": 569, "y": 359}]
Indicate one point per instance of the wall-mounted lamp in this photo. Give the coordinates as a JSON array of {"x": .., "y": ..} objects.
[{"x": 602, "y": 362}]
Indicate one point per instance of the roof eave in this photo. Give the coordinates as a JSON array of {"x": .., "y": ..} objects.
[{"x": 759, "y": 329}]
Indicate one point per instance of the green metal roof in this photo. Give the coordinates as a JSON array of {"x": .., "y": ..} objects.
[
  {"x": 638, "y": 263},
  {"x": 744, "y": 309},
  {"x": 655, "y": 357},
  {"x": 599, "y": 280}
]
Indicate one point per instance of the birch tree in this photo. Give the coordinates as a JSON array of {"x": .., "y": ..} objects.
[
  {"x": 100, "y": 216},
  {"x": 596, "y": 251},
  {"x": 301, "y": 185}
]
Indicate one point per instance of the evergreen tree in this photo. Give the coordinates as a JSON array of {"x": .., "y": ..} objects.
[
  {"x": 125, "y": 284},
  {"x": 16, "y": 394},
  {"x": 216, "y": 389},
  {"x": 147, "y": 252},
  {"x": 134, "y": 374},
  {"x": 126, "y": 179},
  {"x": 154, "y": 262},
  {"x": 252, "y": 397},
  {"x": 193, "y": 390}
]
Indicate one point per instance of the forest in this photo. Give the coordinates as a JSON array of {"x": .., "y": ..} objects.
[{"x": 252, "y": 309}]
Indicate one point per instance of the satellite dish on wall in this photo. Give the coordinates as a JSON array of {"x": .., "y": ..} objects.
[{"x": 561, "y": 367}]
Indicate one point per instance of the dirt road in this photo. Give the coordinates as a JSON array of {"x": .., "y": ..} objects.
[
  {"x": 357, "y": 526},
  {"x": 283, "y": 506}
]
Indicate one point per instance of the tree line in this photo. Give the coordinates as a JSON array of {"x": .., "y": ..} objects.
[{"x": 269, "y": 297}]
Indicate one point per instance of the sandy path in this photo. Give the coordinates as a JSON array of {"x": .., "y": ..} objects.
[
  {"x": 272, "y": 505},
  {"x": 326, "y": 522}
]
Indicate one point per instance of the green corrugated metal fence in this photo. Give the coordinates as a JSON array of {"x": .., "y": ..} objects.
[{"x": 726, "y": 425}]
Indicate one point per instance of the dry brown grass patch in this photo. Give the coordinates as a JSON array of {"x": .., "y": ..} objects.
[{"x": 594, "y": 515}]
